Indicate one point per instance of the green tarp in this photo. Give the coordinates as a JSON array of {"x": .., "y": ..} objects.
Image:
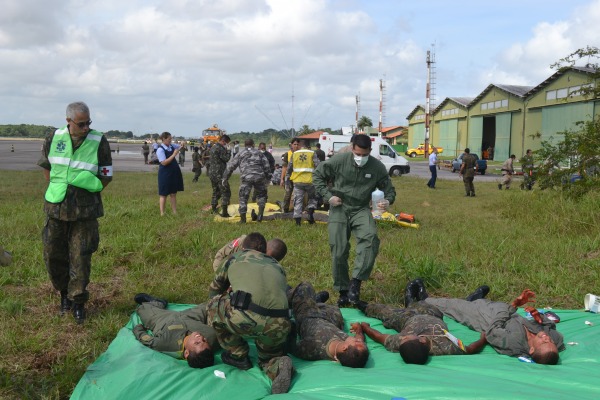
[{"x": 128, "y": 370}]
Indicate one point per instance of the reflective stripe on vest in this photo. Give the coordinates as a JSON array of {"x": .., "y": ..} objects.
[
  {"x": 303, "y": 166},
  {"x": 77, "y": 168}
]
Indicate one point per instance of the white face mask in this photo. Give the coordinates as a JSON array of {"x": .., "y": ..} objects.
[{"x": 360, "y": 160}]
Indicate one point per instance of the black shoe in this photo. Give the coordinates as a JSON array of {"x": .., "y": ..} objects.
[
  {"x": 421, "y": 292},
  {"x": 472, "y": 194},
  {"x": 411, "y": 293},
  {"x": 283, "y": 379},
  {"x": 243, "y": 363},
  {"x": 79, "y": 313},
  {"x": 146, "y": 298},
  {"x": 253, "y": 215},
  {"x": 224, "y": 212},
  {"x": 214, "y": 209},
  {"x": 499, "y": 186},
  {"x": 322, "y": 297},
  {"x": 298, "y": 221},
  {"x": 468, "y": 195},
  {"x": 361, "y": 305},
  {"x": 311, "y": 216},
  {"x": 65, "y": 303},
  {"x": 343, "y": 299},
  {"x": 354, "y": 291},
  {"x": 242, "y": 218},
  {"x": 479, "y": 293}
]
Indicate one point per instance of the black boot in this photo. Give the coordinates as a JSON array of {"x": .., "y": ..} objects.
[
  {"x": 239, "y": 363},
  {"x": 411, "y": 293},
  {"x": 214, "y": 210},
  {"x": 253, "y": 215},
  {"x": 354, "y": 291},
  {"x": 242, "y": 218},
  {"x": 261, "y": 211},
  {"x": 65, "y": 303},
  {"x": 311, "y": 217},
  {"x": 224, "y": 212},
  {"x": 298, "y": 221},
  {"x": 421, "y": 292},
  {"x": 479, "y": 293},
  {"x": 343, "y": 299},
  {"x": 79, "y": 313},
  {"x": 322, "y": 297},
  {"x": 141, "y": 298}
]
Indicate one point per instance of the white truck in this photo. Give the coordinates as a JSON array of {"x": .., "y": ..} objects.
[{"x": 380, "y": 149}]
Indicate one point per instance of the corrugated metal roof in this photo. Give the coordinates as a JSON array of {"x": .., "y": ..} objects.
[
  {"x": 415, "y": 110},
  {"x": 515, "y": 90},
  {"x": 461, "y": 101},
  {"x": 556, "y": 75}
]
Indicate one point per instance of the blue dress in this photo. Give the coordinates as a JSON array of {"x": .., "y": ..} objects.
[{"x": 170, "y": 179}]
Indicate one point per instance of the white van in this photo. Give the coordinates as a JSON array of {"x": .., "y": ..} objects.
[{"x": 380, "y": 149}]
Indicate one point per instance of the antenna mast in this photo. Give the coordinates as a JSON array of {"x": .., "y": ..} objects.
[
  {"x": 381, "y": 98},
  {"x": 357, "y": 103},
  {"x": 293, "y": 134},
  {"x": 430, "y": 61}
]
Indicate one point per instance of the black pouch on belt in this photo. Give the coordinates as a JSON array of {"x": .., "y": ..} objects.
[{"x": 241, "y": 300}]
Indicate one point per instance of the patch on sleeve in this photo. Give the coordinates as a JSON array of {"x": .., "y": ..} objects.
[
  {"x": 105, "y": 171},
  {"x": 367, "y": 175}
]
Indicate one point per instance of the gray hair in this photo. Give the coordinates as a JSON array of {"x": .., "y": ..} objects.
[{"x": 78, "y": 107}]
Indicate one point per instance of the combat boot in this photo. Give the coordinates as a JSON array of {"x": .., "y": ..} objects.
[
  {"x": 65, "y": 303},
  {"x": 79, "y": 313},
  {"x": 311, "y": 216},
  {"x": 242, "y": 218},
  {"x": 479, "y": 293},
  {"x": 343, "y": 299},
  {"x": 261, "y": 211},
  {"x": 224, "y": 213},
  {"x": 253, "y": 215},
  {"x": 214, "y": 210},
  {"x": 354, "y": 291},
  {"x": 298, "y": 221},
  {"x": 322, "y": 297},
  {"x": 411, "y": 293},
  {"x": 283, "y": 379},
  {"x": 240, "y": 363}
]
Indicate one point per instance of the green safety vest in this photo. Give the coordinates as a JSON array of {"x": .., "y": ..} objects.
[{"x": 77, "y": 168}]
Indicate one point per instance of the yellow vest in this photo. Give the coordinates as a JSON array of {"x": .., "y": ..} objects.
[{"x": 302, "y": 162}]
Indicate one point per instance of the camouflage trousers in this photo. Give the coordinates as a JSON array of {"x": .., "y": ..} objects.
[
  {"x": 68, "y": 249},
  {"x": 218, "y": 190},
  {"x": 234, "y": 326},
  {"x": 396, "y": 318},
  {"x": 305, "y": 307},
  {"x": 469, "y": 188},
  {"x": 289, "y": 188},
  {"x": 299, "y": 190},
  {"x": 246, "y": 188},
  {"x": 267, "y": 183}
]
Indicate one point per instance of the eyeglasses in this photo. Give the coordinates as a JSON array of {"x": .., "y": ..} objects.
[{"x": 83, "y": 124}]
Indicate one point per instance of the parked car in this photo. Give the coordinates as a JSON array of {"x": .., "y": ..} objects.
[
  {"x": 481, "y": 164},
  {"x": 420, "y": 150}
]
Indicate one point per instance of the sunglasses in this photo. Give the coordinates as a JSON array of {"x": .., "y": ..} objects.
[{"x": 83, "y": 124}]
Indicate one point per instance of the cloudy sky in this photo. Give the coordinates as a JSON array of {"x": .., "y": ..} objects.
[{"x": 183, "y": 65}]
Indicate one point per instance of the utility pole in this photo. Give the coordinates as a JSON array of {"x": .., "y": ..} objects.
[
  {"x": 357, "y": 101},
  {"x": 381, "y": 87},
  {"x": 427, "y": 99}
]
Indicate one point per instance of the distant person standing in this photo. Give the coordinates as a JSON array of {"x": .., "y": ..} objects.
[
  {"x": 170, "y": 180},
  {"x": 433, "y": 162},
  {"x": 262, "y": 147},
  {"x": 182, "y": 151},
  {"x": 300, "y": 171},
  {"x": 507, "y": 172},
  {"x": 355, "y": 175},
  {"x": 78, "y": 164},
  {"x": 219, "y": 156},
  {"x": 145, "y": 151},
  {"x": 320, "y": 153},
  {"x": 467, "y": 171},
  {"x": 254, "y": 172},
  {"x": 196, "y": 165}
]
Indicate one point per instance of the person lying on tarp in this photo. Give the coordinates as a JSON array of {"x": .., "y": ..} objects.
[
  {"x": 421, "y": 329},
  {"x": 276, "y": 248},
  {"x": 181, "y": 334},
  {"x": 321, "y": 330},
  {"x": 505, "y": 330}
]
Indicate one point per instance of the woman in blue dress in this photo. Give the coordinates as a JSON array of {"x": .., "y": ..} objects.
[{"x": 170, "y": 180}]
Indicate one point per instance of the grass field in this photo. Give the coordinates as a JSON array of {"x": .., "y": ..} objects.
[{"x": 509, "y": 240}]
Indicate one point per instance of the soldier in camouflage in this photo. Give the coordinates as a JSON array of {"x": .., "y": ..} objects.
[
  {"x": 422, "y": 332},
  {"x": 467, "y": 171},
  {"x": 321, "y": 330},
  {"x": 256, "y": 308},
  {"x": 255, "y": 171},
  {"x": 180, "y": 334},
  {"x": 70, "y": 234},
  {"x": 219, "y": 156}
]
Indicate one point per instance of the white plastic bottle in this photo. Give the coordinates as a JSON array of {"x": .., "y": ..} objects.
[{"x": 376, "y": 197}]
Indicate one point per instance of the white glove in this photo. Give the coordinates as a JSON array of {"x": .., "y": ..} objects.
[
  {"x": 383, "y": 204},
  {"x": 335, "y": 201}
]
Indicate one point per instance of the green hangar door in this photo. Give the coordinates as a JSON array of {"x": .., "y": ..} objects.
[{"x": 491, "y": 131}]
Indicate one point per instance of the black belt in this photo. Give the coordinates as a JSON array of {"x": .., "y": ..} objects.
[{"x": 266, "y": 312}]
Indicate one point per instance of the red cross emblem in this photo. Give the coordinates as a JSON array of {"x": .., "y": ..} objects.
[{"x": 105, "y": 171}]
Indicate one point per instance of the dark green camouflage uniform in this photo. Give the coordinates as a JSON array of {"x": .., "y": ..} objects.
[
  {"x": 169, "y": 327},
  {"x": 261, "y": 276},
  {"x": 255, "y": 171},
  {"x": 419, "y": 319},
  {"x": 317, "y": 323},
  {"x": 70, "y": 234},
  {"x": 219, "y": 156}
]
